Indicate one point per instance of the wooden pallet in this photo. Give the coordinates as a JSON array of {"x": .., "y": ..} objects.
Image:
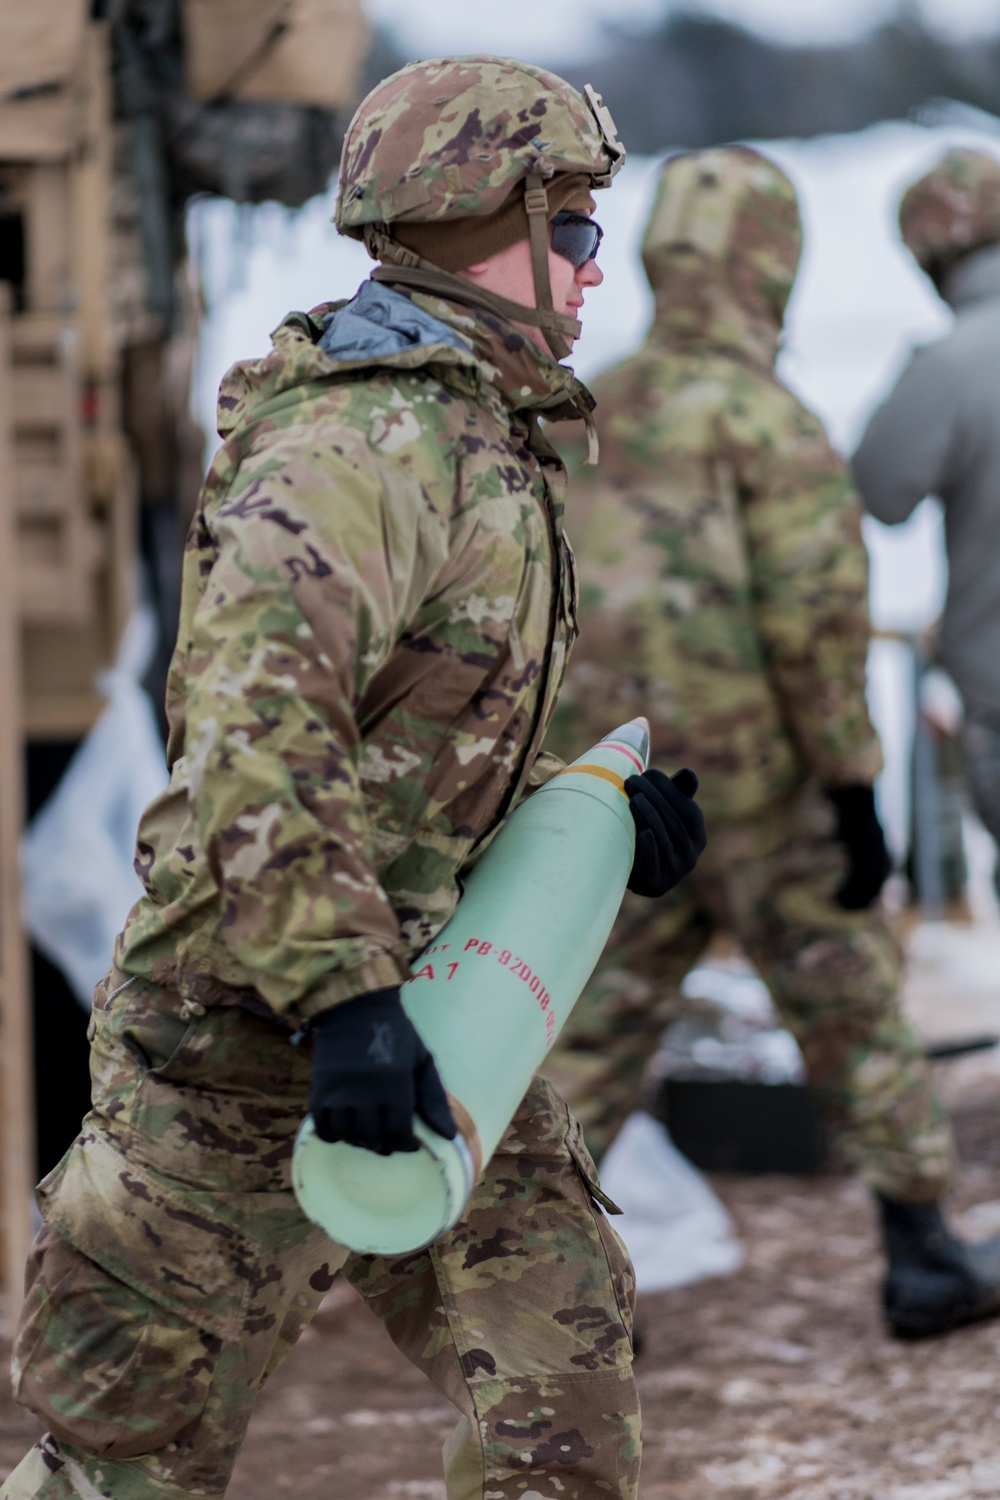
[
  {"x": 58, "y": 546},
  {"x": 61, "y": 661},
  {"x": 306, "y": 51}
]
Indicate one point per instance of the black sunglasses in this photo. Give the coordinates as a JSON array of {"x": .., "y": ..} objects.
[{"x": 575, "y": 237}]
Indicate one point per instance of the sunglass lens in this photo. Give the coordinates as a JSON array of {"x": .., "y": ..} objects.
[{"x": 575, "y": 237}]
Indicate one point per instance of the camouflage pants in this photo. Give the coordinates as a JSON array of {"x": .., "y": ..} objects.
[
  {"x": 175, "y": 1271},
  {"x": 834, "y": 976}
]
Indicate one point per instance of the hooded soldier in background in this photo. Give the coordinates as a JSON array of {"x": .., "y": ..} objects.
[
  {"x": 377, "y": 604},
  {"x": 724, "y": 590},
  {"x": 938, "y": 433}
]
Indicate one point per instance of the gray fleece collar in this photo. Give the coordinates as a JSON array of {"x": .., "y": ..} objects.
[{"x": 380, "y": 322}]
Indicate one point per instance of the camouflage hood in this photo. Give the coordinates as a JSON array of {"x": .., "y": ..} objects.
[
  {"x": 721, "y": 250},
  {"x": 380, "y": 326}
]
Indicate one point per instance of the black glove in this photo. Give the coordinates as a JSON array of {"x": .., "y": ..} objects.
[
  {"x": 669, "y": 830},
  {"x": 860, "y": 832},
  {"x": 371, "y": 1073}
]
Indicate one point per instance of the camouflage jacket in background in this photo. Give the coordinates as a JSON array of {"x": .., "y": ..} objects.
[
  {"x": 377, "y": 606},
  {"x": 722, "y": 571}
]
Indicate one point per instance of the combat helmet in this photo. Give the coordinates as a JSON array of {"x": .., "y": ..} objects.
[
  {"x": 953, "y": 209},
  {"x": 452, "y": 138},
  {"x": 722, "y": 246}
]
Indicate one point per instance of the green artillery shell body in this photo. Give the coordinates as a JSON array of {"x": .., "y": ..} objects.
[{"x": 489, "y": 997}]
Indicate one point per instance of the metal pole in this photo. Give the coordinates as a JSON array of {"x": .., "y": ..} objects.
[
  {"x": 17, "y": 1134},
  {"x": 926, "y": 802}
]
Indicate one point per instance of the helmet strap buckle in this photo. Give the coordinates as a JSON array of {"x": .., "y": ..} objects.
[
  {"x": 381, "y": 246},
  {"x": 536, "y": 198}
]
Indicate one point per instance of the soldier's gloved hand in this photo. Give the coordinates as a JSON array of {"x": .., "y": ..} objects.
[
  {"x": 669, "y": 830},
  {"x": 371, "y": 1074},
  {"x": 860, "y": 832}
]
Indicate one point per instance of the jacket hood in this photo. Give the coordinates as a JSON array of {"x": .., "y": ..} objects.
[
  {"x": 721, "y": 250},
  {"x": 382, "y": 327}
]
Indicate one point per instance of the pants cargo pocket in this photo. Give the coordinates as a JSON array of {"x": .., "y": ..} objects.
[
  {"x": 134, "y": 1289},
  {"x": 103, "y": 1367},
  {"x": 619, "y": 1261}
]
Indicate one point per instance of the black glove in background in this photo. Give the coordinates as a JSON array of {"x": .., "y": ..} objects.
[
  {"x": 669, "y": 830},
  {"x": 860, "y": 832},
  {"x": 371, "y": 1073}
]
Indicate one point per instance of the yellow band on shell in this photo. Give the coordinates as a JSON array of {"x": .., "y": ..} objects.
[{"x": 601, "y": 771}]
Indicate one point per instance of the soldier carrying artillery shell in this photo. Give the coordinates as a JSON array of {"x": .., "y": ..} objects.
[{"x": 378, "y": 603}]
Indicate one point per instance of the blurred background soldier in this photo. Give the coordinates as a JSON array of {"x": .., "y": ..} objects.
[
  {"x": 724, "y": 589},
  {"x": 938, "y": 433}
]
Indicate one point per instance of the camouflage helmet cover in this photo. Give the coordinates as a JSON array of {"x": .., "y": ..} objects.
[
  {"x": 450, "y": 137},
  {"x": 725, "y": 219},
  {"x": 952, "y": 209}
]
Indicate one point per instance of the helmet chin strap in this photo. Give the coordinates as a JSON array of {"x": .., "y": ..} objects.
[
  {"x": 404, "y": 266},
  {"x": 536, "y": 203}
]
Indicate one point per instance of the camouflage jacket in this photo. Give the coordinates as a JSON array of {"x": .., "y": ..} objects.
[
  {"x": 723, "y": 575},
  {"x": 377, "y": 605}
]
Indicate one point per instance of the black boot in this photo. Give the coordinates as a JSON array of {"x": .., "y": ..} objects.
[{"x": 934, "y": 1282}]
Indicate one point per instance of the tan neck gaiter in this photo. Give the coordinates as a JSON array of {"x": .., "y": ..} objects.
[{"x": 453, "y": 244}]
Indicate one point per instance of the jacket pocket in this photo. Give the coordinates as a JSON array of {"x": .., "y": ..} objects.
[{"x": 154, "y": 1024}]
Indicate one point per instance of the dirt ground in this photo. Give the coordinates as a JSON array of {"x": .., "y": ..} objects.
[{"x": 776, "y": 1381}]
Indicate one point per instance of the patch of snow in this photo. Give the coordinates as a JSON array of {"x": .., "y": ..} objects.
[{"x": 673, "y": 1225}]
